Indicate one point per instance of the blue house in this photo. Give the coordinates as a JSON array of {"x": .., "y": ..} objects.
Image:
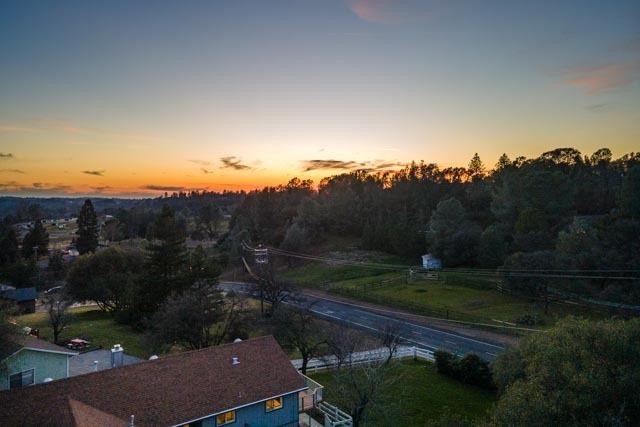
[
  {"x": 248, "y": 383},
  {"x": 28, "y": 360},
  {"x": 24, "y": 298}
]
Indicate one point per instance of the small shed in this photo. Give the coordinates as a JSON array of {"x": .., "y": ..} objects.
[
  {"x": 431, "y": 263},
  {"x": 25, "y": 298}
]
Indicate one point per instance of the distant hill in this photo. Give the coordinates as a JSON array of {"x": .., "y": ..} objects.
[
  {"x": 27, "y": 208},
  {"x": 58, "y": 207}
]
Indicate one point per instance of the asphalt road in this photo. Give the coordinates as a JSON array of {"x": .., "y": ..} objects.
[{"x": 414, "y": 334}]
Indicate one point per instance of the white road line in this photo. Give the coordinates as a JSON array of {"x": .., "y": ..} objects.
[
  {"x": 392, "y": 318},
  {"x": 420, "y": 326}
]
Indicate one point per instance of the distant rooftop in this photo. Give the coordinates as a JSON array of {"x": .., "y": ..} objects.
[{"x": 20, "y": 294}]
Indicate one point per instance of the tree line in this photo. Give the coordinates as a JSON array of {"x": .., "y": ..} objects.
[{"x": 561, "y": 210}]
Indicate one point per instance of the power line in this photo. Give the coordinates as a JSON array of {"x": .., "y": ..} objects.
[{"x": 524, "y": 273}]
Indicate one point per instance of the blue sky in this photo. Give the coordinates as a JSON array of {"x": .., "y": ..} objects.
[{"x": 138, "y": 90}]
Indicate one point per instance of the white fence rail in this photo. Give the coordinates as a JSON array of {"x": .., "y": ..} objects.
[
  {"x": 333, "y": 416},
  {"x": 369, "y": 356}
]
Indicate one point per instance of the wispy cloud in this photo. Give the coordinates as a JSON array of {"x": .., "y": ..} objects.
[
  {"x": 200, "y": 162},
  {"x": 596, "y": 108},
  {"x": 12, "y": 171},
  {"x": 232, "y": 162},
  {"x": 597, "y": 80},
  {"x": 96, "y": 173},
  {"x": 383, "y": 165},
  {"x": 312, "y": 165},
  {"x": 14, "y": 128},
  {"x": 6, "y": 156},
  {"x": 101, "y": 189},
  {"x": 332, "y": 164},
  {"x": 206, "y": 171},
  {"x": 35, "y": 188},
  {"x": 44, "y": 124},
  {"x": 388, "y": 11},
  {"x": 155, "y": 187}
]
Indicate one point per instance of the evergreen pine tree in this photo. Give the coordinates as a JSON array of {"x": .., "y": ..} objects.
[
  {"x": 38, "y": 238},
  {"x": 166, "y": 263},
  {"x": 476, "y": 167},
  {"x": 87, "y": 240}
]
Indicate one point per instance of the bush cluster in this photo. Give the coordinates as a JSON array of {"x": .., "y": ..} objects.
[{"x": 469, "y": 369}]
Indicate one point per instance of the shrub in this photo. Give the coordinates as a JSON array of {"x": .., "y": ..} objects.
[
  {"x": 471, "y": 369},
  {"x": 444, "y": 362}
]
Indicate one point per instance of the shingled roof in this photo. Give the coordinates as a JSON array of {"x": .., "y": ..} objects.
[
  {"x": 14, "y": 343},
  {"x": 168, "y": 391}
]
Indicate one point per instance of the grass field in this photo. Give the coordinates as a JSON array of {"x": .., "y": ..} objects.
[
  {"x": 316, "y": 274},
  {"x": 454, "y": 296},
  {"x": 416, "y": 395},
  {"x": 99, "y": 327}
]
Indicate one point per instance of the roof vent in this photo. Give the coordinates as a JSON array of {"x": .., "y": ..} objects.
[
  {"x": 153, "y": 357},
  {"x": 47, "y": 380},
  {"x": 235, "y": 360},
  {"x": 237, "y": 340}
]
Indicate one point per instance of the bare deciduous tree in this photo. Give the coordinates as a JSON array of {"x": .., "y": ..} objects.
[
  {"x": 299, "y": 329},
  {"x": 57, "y": 305},
  {"x": 389, "y": 336},
  {"x": 360, "y": 384},
  {"x": 268, "y": 289},
  {"x": 342, "y": 342}
]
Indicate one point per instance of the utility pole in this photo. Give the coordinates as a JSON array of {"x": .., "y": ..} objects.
[{"x": 261, "y": 258}]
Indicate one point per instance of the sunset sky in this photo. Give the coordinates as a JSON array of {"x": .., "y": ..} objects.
[{"x": 134, "y": 98}]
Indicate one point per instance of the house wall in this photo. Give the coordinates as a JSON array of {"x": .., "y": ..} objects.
[
  {"x": 47, "y": 365},
  {"x": 256, "y": 415},
  {"x": 28, "y": 306}
]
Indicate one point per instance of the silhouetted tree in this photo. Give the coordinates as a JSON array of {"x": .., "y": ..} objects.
[
  {"x": 87, "y": 240},
  {"x": 36, "y": 241},
  {"x": 580, "y": 372},
  {"x": 8, "y": 245}
]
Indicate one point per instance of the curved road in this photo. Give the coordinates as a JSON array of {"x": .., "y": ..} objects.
[{"x": 414, "y": 334}]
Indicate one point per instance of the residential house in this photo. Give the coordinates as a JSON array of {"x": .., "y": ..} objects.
[
  {"x": 24, "y": 298},
  {"x": 28, "y": 360},
  {"x": 430, "y": 262},
  {"x": 246, "y": 383}
]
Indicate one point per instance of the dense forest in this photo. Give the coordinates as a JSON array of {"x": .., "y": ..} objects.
[{"x": 562, "y": 210}]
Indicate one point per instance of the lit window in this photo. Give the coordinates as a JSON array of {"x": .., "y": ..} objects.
[
  {"x": 226, "y": 418},
  {"x": 21, "y": 379},
  {"x": 273, "y": 404}
]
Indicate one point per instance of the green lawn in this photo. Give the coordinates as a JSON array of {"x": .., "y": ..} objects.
[
  {"x": 315, "y": 274},
  {"x": 98, "y": 326},
  {"x": 454, "y": 296},
  {"x": 416, "y": 395}
]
